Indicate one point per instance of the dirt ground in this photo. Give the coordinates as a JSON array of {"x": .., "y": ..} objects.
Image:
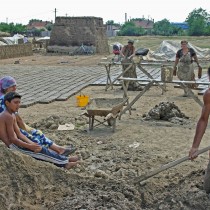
[{"x": 112, "y": 162}]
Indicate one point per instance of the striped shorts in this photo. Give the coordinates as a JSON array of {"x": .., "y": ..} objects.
[{"x": 44, "y": 155}]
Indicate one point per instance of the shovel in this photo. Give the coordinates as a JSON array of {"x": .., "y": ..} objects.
[{"x": 167, "y": 166}]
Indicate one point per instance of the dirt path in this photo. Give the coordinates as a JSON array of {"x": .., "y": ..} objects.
[{"x": 112, "y": 161}]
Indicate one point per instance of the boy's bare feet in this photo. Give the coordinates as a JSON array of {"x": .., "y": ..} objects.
[
  {"x": 70, "y": 165},
  {"x": 73, "y": 159}
]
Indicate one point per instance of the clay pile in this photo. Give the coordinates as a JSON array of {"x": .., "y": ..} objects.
[{"x": 166, "y": 111}]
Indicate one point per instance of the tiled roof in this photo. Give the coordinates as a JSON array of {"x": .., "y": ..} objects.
[
  {"x": 38, "y": 24},
  {"x": 146, "y": 24}
]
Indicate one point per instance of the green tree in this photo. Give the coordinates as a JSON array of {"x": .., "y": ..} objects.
[
  {"x": 164, "y": 28},
  {"x": 197, "y": 21},
  {"x": 130, "y": 29},
  {"x": 207, "y": 31},
  {"x": 49, "y": 27},
  {"x": 12, "y": 28},
  {"x": 34, "y": 20},
  {"x": 110, "y": 22}
]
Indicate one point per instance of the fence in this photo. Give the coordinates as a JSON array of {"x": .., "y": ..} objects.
[{"x": 14, "y": 51}]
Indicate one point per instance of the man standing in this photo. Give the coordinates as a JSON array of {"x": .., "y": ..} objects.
[{"x": 200, "y": 130}]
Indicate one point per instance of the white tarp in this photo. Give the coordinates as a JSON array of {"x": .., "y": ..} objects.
[
  {"x": 2, "y": 43},
  {"x": 13, "y": 40},
  {"x": 168, "y": 48},
  {"x": 117, "y": 43},
  {"x": 43, "y": 38}
]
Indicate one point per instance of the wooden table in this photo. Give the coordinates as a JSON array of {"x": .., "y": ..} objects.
[
  {"x": 109, "y": 65},
  {"x": 109, "y": 81},
  {"x": 183, "y": 85}
]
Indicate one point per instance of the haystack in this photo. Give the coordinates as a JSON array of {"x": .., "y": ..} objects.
[{"x": 71, "y": 33}]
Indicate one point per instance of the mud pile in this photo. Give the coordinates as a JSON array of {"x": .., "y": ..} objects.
[
  {"x": 29, "y": 184},
  {"x": 166, "y": 111}
]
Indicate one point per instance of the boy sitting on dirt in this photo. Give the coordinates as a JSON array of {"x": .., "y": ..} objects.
[{"x": 10, "y": 134}]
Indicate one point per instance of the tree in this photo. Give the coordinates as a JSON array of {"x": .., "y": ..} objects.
[
  {"x": 164, "y": 28},
  {"x": 12, "y": 29},
  {"x": 110, "y": 22},
  {"x": 207, "y": 31},
  {"x": 49, "y": 26},
  {"x": 130, "y": 29},
  {"x": 197, "y": 21},
  {"x": 34, "y": 20}
]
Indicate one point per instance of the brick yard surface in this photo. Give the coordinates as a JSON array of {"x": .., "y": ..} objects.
[{"x": 45, "y": 84}]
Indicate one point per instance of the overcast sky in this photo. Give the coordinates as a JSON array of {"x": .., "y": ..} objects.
[{"x": 21, "y": 11}]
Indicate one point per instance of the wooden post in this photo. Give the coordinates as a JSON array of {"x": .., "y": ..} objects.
[
  {"x": 191, "y": 94},
  {"x": 150, "y": 76},
  {"x": 167, "y": 166},
  {"x": 128, "y": 107}
]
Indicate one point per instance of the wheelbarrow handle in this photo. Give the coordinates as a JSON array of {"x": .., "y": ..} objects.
[{"x": 167, "y": 166}]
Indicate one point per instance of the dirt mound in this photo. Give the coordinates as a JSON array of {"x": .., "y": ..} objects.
[
  {"x": 33, "y": 185},
  {"x": 166, "y": 111}
]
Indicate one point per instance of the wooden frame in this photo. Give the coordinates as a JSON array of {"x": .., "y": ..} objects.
[{"x": 183, "y": 85}]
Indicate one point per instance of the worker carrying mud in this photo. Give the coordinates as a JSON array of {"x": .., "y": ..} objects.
[
  {"x": 200, "y": 130},
  {"x": 127, "y": 53},
  {"x": 184, "y": 59}
]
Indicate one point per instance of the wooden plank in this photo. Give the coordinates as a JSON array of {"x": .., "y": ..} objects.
[
  {"x": 156, "y": 64},
  {"x": 130, "y": 104},
  {"x": 200, "y": 87},
  {"x": 151, "y": 77},
  {"x": 167, "y": 166},
  {"x": 191, "y": 94},
  {"x": 173, "y": 81}
]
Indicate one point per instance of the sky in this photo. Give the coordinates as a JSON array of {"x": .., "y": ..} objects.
[{"x": 22, "y": 11}]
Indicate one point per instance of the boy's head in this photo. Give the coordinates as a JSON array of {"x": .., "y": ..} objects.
[{"x": 12, "y": 101}]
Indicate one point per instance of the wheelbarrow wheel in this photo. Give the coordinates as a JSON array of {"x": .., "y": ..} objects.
[
  {"x": 114, "y": 125},
  {"x": 111, "y": 121},
  {"x": 91, "y": 122}
]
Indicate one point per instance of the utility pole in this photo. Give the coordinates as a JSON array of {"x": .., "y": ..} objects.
[{"x": 55, "y": 12}]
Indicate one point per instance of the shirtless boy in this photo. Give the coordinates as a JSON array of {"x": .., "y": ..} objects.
[{"x": 10, "y": 134}]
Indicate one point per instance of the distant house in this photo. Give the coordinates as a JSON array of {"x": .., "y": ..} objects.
[
  {"x": 147, "y": 25},
  {"x": 35, "y": 26},
  {"x": 112, "y": 29},
  {"x": 183, "y": 25}
]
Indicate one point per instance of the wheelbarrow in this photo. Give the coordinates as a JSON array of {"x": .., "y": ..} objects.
[{"x": 108, "y": 108}]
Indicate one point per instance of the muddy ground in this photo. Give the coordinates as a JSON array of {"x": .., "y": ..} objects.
[{"x": 112, "y": 162}]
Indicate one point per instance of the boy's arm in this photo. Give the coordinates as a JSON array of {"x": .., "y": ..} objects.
[{"x": 9, "y": 122}]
